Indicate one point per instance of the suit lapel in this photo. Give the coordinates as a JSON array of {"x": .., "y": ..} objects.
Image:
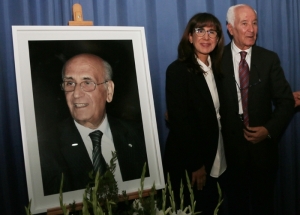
[
  {"x": 123, "y": 145},
  {"x": 201, "y": 85},
  {"x": 76, "y": 156},
  {"x": 229, "y": 83},
  {"x": 218, "y": 84},
  {"x": 254, "y": 78}
]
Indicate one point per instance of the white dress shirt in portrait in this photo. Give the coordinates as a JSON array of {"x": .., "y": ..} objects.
[{"x": 107, "y": 145}]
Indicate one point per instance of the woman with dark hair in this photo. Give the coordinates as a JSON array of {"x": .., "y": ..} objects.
[{"x": 195, "y": 143}]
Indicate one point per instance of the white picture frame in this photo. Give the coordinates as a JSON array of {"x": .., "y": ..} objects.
[{"x": 22, "y": 40}]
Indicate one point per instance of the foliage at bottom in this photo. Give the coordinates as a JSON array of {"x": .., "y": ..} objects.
[{"x": 101, "y": 198}]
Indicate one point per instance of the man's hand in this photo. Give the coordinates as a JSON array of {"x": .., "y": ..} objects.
[
  {"x": 297, "y": 98},
  {"x": 199, "y": 177},
  {"x": 255, "y": 134}
]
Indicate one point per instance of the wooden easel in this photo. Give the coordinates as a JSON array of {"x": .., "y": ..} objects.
[{"x": 78, "y": 17}]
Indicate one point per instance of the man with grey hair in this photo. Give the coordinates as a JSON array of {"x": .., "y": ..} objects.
[
  {"x": 256, "y": 106},
  {"x": 87, "y": 138}
]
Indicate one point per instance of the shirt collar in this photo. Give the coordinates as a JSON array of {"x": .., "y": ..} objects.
[
  {"x": 103, "y": 127},
  {"x": 236, "y": 50},
  {"x": 203, "y": 65}
]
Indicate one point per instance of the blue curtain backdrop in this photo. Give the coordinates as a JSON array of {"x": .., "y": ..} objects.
[{"x": 164, "y": 22}]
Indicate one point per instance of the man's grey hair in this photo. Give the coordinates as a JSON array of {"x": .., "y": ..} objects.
[
  {"x": 107, "y": 70},
  {"x": 230, "y": 17},
  {"x": 106, "y": 66}
]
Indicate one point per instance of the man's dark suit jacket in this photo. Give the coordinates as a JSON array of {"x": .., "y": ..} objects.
[
  {"x": 59, "y": 157},
  {"x": 268, "y": 87},
  {"x": 193, "y": 137}
]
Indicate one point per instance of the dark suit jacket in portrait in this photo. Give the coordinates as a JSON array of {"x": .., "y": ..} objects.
[
  {"x": 193, "y": 137},
  {"x": 59, "y": 156},
  {"x": 270, "y": 104}
]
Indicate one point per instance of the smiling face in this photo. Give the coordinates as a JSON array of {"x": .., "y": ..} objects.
[
  {"x": 245, "y": 27},
  {"x": 87, "y": 108},
  {"x": 203, "y": 44}
]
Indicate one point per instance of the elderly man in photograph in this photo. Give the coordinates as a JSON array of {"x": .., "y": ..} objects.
[
  {"x": 87, "y": 139},
  {"x": 256, "y": 107}
]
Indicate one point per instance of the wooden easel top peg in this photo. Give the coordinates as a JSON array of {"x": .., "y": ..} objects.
[{"x": 78, "y": 17}]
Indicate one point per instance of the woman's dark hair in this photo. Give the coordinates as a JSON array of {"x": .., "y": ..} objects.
[{"x": 186, "y": 50}]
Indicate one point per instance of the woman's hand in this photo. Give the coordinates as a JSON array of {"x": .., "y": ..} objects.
[
  {"x": 297, "y": 98},
  {"x": 199, "y": 177}
]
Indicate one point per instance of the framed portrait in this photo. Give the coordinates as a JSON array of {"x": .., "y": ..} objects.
[{"x": 52, "y": 143}]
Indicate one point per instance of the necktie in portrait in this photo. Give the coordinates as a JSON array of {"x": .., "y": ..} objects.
[{"x": 99, "y": 163}]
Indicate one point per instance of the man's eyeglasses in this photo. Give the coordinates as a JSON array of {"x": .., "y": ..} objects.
[
  {"x": 87, "y": 86},
  {"x": 201, "y": 32}
]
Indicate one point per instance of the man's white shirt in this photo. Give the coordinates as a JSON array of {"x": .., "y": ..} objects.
[
  {"x": 236, "y": 57},
  {"x": 107, "y": 146}
]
